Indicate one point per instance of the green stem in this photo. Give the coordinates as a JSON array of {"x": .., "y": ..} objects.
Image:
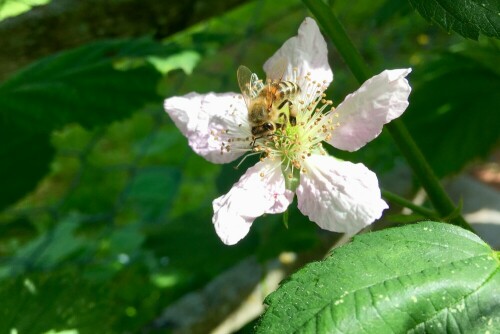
[
  {"x": 438, "y": 197},
  {"x": 391, "y": 197}
]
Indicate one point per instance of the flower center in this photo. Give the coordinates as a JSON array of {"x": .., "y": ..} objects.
[
  {"x": 290, "y": 144},
  {"x": 314, "y": 123}
]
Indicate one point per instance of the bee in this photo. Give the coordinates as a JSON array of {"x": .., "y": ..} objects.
[{"x": 265, "y": 101}]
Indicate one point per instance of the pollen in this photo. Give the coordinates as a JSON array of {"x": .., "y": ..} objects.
[{"x": 292, "y": 143}]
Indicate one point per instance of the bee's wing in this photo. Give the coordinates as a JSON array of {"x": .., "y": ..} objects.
[
  {"x": 278, "y": 70},
  {"x": 249, "y": 83},
  {"x": 256, "y": 85}
]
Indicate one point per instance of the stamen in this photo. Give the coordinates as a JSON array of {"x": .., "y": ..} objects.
[
  {"x": 244, "y": 158},
  {"x": 290, "y": 145}
]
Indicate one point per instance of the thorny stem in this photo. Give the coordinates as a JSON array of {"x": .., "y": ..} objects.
[{"x": 437, "y": 195}]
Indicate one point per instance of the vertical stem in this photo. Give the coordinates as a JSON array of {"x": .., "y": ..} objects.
[{"x": 437, "y": 195}]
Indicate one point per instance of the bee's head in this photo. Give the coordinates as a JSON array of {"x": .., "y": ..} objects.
[{"x": 263, "y": 129}]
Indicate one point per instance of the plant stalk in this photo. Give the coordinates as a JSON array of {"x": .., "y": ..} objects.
[
  {"x": 437, "y": 195},
  {"x": 391, "y": 197}
]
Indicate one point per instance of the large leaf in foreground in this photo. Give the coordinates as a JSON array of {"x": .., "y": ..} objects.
[
  {"x": 469, "y": 18},
  {"x": 424, "y": 278}
]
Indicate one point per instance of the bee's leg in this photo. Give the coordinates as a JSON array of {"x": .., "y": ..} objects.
[
  {"x": 293, "y": 114},
  {"x": 291, "y": 109},
  {"x": 282, "y": 104},
  {"x": 285, "y": 120},
  {"x": 254, "y": 141}
]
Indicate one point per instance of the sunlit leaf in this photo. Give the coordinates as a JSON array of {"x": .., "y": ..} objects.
[
  {"x": 469, "y": 18},
  {"x": 424, "y": 278},
  {"x": 9, "y": 8},
  {"x": 185, "y": 60}
]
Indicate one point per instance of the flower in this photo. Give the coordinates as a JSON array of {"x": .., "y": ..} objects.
[{"x": 337, "y": 195}]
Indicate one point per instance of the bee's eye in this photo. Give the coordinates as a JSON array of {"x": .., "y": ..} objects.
[{"x": 268, "y": 126}]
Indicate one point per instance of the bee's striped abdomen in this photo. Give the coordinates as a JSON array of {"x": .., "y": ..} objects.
[{"x": 286, "y": 89}]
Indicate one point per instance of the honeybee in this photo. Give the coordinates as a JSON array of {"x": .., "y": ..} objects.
[{"x": 265, "y": 101}]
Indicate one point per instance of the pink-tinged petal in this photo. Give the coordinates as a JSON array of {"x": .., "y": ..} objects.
[
  {"x": 338, "y": 195},
  {"x": 260, "y": 190},
  {"x": 208, "y": 121},
  {"x": 306, "y": 53},
  {"x": 363, "y": 113}
]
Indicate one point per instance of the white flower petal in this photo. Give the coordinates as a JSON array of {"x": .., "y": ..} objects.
[
  {"x": 204, "y": 119},
  {"x": 261, "y": 190},
  {"x": 363, "y": 113},
  {"x": 306, "y": 53},
  {"x": 338, "y": 195}
]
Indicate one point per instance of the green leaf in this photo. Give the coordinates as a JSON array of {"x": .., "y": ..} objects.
[
  {"x": 454, "y": 104},
  {"x": 9, "y": 8},
  {"x": 56, "y": 300},
  {"x": 46, "y": 251},
  {"x": 424, "y": 278},
  {"x": 81, "y": 85},
  {"x": 468, "y": 18},
  {"x": 185, "y": 60},
  {"x": 25, "y": 160},
  {"x": 152, "y": 191}
]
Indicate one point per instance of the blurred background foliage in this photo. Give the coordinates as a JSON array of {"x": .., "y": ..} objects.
[{"x": 106, "y": 212}]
